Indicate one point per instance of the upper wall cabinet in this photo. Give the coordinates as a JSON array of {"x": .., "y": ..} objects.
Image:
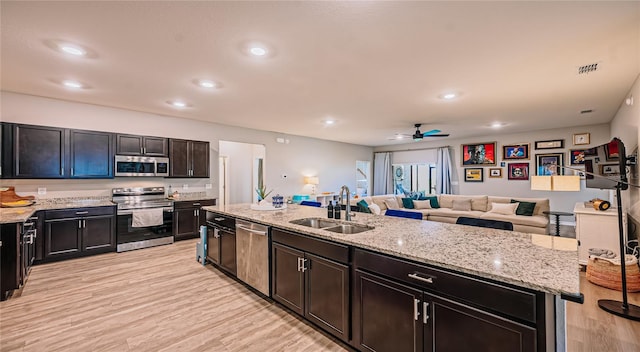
[
  {"x": 39, "y": 152},
  {"x": 188, "y": 158},
  {"x": 6, "y": 150},
  {"x": 90, "y": 154},
  {"x": 141, "y": 145},
  {"x": 51, "y": 152}
]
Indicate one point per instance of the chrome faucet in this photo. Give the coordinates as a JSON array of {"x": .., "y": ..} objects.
[{"x": 347, "y": 212}]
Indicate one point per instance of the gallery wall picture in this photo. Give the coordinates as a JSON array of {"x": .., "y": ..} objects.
[
  {"x": 479, "y": 154},
  {"x": 581, "y": 138},
  {"x": 549, "y": 164},
  {"x": 495, "y": 172},
  {"x": 518, "y": 171},
  {"x": 515, "y": 152},
  {"x": 576, "y": 156},
  {"x": 550, "y": 144},
  {"x": 473, "y": 174}
]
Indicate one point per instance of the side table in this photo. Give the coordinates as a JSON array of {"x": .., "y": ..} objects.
[{"x": 557, "y": 214}]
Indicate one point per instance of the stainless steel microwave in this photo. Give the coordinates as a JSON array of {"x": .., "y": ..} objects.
[{"x": 141, "y": 166}]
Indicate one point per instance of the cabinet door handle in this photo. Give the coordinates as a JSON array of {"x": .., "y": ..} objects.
[
  {"x": 62, "y": 171},
  {"x": 299, "y": 264},
  {"x": 216, "y": 233},
  {"x": 27, "y": 224},
  {"x": 144, "y": 150},
  {"x": 81, "y": 212},
  {"x": 304, "y": 264},
  {"x": 425, "y": 312},
  {"x": 71, "y": 171},
  {"x": 416, "y": 313},
  {"x": 218, "y": 219},
  {"x": 428, "y": 280},
  {"x": 84, "y": 224},
  {"x": 79, "y": 224},
  {"x": 196, "y": 204}
]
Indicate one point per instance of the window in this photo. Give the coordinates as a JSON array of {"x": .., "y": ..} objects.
[{"x": 414, "y": 177}]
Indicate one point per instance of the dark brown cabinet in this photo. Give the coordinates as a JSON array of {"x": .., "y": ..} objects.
[
  {"x": 311, "y": 277},
  {"x": 127, "y": 144},
  {"x": 221, "y": 241},
  {"x": 39, "y": 152},
  {"x": 6, "y": 150},
  {"x": 227, "y": 247},
  {"x": 188, "y": 217},
  {"x": 400, "y": 306},
  {"x": 77, "y": 232},
  {"x": 90, "y": 154},
  {"x": 188, "y": 158}
]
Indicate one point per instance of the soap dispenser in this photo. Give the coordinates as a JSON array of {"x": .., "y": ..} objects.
[{"x": 330, "y": 210}]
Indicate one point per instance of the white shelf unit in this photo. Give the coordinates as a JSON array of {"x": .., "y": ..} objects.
[
  {"x": 325, "y": 198},
  {"x": 597, "y": 229}
]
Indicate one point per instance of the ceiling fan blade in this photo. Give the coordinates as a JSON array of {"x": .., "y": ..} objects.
[
  {"x": 431, "y": 132},
  {"x": 437, "y": 135}
]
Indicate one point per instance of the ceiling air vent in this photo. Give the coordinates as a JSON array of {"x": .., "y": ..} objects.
[
  {"x": 587, "y": 68},
  {"x": 588, "y": 111}
]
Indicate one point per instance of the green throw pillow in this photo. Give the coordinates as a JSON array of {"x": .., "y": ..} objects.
[
  {"x": 433, "y": 200},
  {"x": 407, "y": 203},
  {"x": 363, "y": 206},
  {"x": 524, "y": 208}
]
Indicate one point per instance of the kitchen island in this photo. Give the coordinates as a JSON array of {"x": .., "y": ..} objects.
[{"x": 535, "y": 269}]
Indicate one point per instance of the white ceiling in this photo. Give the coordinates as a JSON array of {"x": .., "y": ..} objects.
[{"x": 375, "y": 67}]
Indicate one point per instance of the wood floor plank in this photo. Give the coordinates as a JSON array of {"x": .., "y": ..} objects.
[{"x": 161, "y": 299}]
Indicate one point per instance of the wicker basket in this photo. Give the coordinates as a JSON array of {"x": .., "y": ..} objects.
[{"x": 604, "y": 273}]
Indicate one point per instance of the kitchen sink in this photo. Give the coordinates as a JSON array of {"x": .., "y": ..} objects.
[
  {"x": 348, "y": 228},
  {"x": 315, "y": 223}
]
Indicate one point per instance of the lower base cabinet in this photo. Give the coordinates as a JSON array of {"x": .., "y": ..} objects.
[
  {"x": 311, "y": 285},
  {"x": 394, "y": 317},
  {"x": 73, "y": 233}
]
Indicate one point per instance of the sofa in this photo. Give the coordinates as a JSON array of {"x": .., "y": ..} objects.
[{"x": 481, "y": 206}]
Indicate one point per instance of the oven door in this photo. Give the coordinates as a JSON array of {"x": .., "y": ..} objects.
[
  {"x": 130, "y": 238},
  {"x": 135, "y": 166}
]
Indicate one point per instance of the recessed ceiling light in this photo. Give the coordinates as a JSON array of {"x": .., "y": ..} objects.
[
  {"x": 207, "y": 84},
  {"x": 329, "y": 122},
  {"x": 72, "y": 84},
  {"x": 497, "y": 124},
  {"x": 72, "y": 50},
  {"x": 177, "y": 104},
  {"x": 258, "y": 51},
  {"x": 449, "y": 96}
]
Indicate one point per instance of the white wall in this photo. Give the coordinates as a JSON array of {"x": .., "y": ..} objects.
[
  {"x": 334, "y": 163},
  {"x": 626, "y": 126},
  {"x": 239, "y": 170},
  {"x": 560, "y": 201}
]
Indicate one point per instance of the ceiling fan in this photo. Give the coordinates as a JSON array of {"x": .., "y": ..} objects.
[{"x": 417, "y": 136}]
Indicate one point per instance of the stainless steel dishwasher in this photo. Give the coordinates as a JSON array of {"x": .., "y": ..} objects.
[{"x": 252, "y": 255}]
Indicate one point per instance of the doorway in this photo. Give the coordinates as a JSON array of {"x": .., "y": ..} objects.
[{"x": 239, "y": 171}]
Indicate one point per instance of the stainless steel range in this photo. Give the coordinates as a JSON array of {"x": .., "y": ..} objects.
[{"x": 145, "y": 217}]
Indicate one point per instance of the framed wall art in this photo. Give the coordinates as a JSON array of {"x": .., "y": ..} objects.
[
  {"x": 518, "y": 171},
  {"x": 610, "y": 169},
  {"x": 611, "y": 151},
  {"x": 473, "y": 174},
  {"x": 576, "y": 156},
  {"x": 495, "y": 172},
  {"x": 549, "y": 164},
  {"x": 581, "y": 138},
  {"x": 550, "y": 144},
  {"x": 515, "y": 152},
  {"x": 479, "y": 154}
]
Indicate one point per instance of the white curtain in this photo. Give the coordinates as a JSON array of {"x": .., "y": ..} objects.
[
  {"x": 382, "y": 177},
  {"x": 443, "y": 171}
]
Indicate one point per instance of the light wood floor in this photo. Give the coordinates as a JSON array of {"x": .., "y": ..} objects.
[{"x": 161, "y": 299}]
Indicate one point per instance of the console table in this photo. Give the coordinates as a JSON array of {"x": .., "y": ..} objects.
[{"x": 597, "y": 229}]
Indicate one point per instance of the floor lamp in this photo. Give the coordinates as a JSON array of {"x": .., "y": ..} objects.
[{"x": 622, "y": 309}]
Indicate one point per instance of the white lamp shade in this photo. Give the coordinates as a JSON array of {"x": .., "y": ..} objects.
[
  {"x": 311, "y": 180},
  {"x": 566, "y": 183},
  {"x": 541, "y": 183}
]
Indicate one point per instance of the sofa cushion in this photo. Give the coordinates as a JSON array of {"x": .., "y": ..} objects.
[
  {"x": 478, "y": 203},
  {"x": 450, "y": 213},
  {"x": 432, "y": 199},
  {"x": 524, "y": 208},
  {"x": 374, "y": 208},
  {"x": 542, "y": 204},
  {"x": 461, "y": 204},
  {"x": 535, "y": 220},
  {"x": 407, "y": 203},
  {"x": 363, "y": 206},
  {"x": 504, "y": 209},
  {"x": 422, "y": 204},
  {"x": 391, "y": 203}
]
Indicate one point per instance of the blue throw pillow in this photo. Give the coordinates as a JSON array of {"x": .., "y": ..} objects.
[
  {"x": 407, "y": 203},
  {"x": 363, "y": 206},
  {"x": 433, "y": 200}
]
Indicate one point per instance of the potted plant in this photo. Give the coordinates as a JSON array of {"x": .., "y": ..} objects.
[{"x": 262, "y": 189}]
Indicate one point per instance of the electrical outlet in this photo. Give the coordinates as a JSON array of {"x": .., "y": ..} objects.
[
  {"x": 42, "y": 191},
  {"x": 185, "y": 187},
  {"x": 207, "y": 186}
]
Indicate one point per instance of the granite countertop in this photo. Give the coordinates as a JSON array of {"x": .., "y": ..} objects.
[
  {"x": 11, "y": 215},
  {"x": 191, "y": 196},
  {"x": 539, "y": 262}
]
